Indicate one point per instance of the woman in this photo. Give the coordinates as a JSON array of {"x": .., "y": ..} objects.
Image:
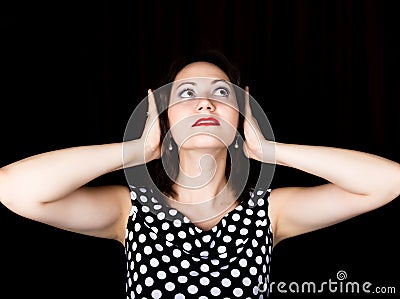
[{"x": 195, "y": 232}]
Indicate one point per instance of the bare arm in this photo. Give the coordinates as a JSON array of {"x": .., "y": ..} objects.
[
  {"x": 49, "y": 187},
  {"x": 357, "y": 182}
]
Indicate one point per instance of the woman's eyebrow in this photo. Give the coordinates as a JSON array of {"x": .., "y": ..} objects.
[
  {"x": 219, "y": 80},
  {"x": 187, "y": 82}
]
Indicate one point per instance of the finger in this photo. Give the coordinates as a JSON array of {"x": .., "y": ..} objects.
[
  {"x": 152, "y": 108},
  {"x": 247, "y": 108}
]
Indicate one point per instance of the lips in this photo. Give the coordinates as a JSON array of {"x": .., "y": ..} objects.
[{"x": 206, "y": 121}]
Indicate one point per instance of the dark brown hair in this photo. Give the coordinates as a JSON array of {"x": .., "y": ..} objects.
[{"x": 164, "y": 173}]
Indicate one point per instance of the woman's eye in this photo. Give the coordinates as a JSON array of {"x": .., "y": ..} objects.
[
  {"x": 187, "y": 93},
  {"x": 221, "y": 92}
]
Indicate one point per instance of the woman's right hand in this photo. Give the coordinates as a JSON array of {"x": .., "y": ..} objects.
[{"x": 151, "y": 136}]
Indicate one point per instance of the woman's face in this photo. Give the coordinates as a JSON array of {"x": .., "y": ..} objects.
[{"x": 203, "y": 112}]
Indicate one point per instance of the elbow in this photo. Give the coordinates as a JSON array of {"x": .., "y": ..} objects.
[{"x": 394, "y": 187}]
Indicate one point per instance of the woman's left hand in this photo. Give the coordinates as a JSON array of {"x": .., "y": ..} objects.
[{"x": 255, "y": 145}]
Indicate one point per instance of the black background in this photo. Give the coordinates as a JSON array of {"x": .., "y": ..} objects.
[{"x": 325, "y": 72}]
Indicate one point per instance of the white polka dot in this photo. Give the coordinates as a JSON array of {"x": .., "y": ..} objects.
[
  {"x": 165, "y": 226},
  {"x": 192, "y": 289},
  {"x": 149, "y": 281},
  {"x": 182, "y": 279},
  {"x": 157, "y": 207},
  {"x": 226, "y": 282},
  {"x": 236, "y": 217},
  {"x": 244, "y": 231},
  {"x": 179, "y": 296},
  {"x": 194, "y": 273},
  {"x": 204, "y": 254},
  {"x": 161, "y": 275},
  {"x": 143, "y": 198},
  {"x": 169, "y": 237},
  {"x": 159, "y": 247},
  {"x": 259, "y": 260},
  {"x": 149, "y": 219},
  {"x": 173, "y": 269},
  {"x": 253, "y": 270},
  {"x": 204, "y": 268},
  {"x": 137, "y": 226},
  {"x": 221, "y": 249},
  {"x": 246, "y": 281},
  {"x": 142, "y": 189},
  {"x": 148, "y": 250},
  {"x": 154, "y": 262},
  {"x": 249, "y": 252},
  {"x": 182, "y": 235},
  {"x": 153, "y": 236},
  {"x": 243, "y": 263},
  {"x": 254, "y": 243},
  {"x": 185, "y": 264},
  {"x": 130, "y": 237},
  {"x": 156, "y": 294},
  {"x": 169, "y": 286},
  {"x": 145, "y": 209},
  {"x": 177, "y": 223},
  {"x": 143, "y": 269},
  {"x": 177, "y": 253},
  {"x": 138, "y": 256},
  {"x": 134, "y": 246},
  {"x": 166, "y": 258},
  {"x": 138, "y": 289},
  {"x": 261, "y": 213},
  {"x": 214, "y": 261},
  {"x": 142, "y": 238},
  {"x": 206, "y": 238},
  {"x": 238, "y": 292},
  {"x": 227, "y": 239},
  {"x": 197, "y": 242},
  {"x": 172, "y": 212},
  {"x": 215, "y": 291},
  {"x": 187, "y": 246},
  {"x": 231, "y": 228},
  {"x": 133, "y": 195},
  {"x": 161, "y": 215},
  {"x": 214, "y": 274},
  {"x": 204, "y": 281},
  {"x": 235, "y": 273}
]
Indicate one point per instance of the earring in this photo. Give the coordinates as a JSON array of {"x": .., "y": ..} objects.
[
  {"x": 170, "y": 145},
  {"x": 236, "y": 142}
]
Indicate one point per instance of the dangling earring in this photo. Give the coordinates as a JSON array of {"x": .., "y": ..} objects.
[
  {"x": 170, "y": 145},
  {"x": 236, "y": 142}
]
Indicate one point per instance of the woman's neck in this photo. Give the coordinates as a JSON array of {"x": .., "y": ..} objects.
[{"x": 201, "y": 175}]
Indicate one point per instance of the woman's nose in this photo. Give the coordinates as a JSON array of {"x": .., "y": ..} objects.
[{"x": 204, "y": 104}]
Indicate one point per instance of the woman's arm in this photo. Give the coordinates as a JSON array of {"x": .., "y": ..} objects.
[
  {"x": 357, "y": 182},
  {"x": 49, "y": 187}
]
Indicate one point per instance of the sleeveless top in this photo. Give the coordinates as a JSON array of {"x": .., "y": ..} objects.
[{"x": 172, "y": 258}]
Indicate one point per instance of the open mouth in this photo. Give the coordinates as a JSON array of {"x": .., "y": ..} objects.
[{"x": 206, "y": 121}]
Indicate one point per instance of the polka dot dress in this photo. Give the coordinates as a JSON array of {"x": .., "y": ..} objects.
[{"x": 169, "y": 257}]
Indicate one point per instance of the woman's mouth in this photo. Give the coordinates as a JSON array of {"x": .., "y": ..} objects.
[{"x": 206, "y": 121}]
